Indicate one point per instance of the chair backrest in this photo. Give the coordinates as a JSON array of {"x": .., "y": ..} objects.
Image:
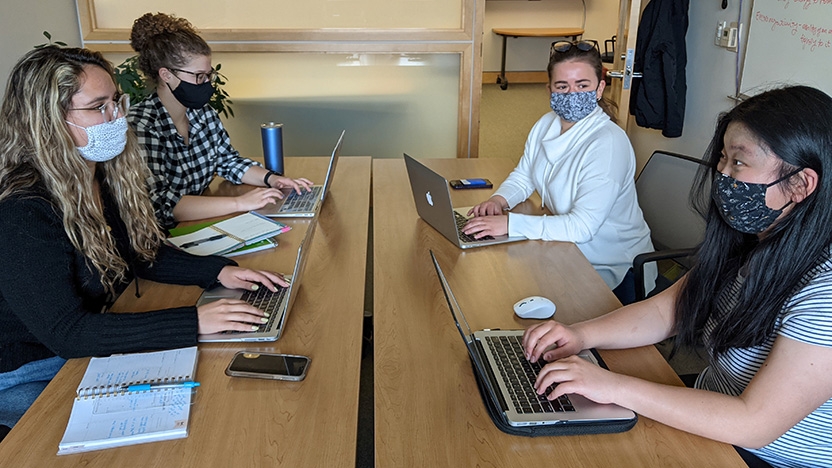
[
  {"x": 609, "y": 50},
  {"x": 663, "y": 190}
]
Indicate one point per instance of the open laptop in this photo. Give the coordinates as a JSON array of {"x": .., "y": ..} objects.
[
  {"x": 278, "y": 304},
  {"x": 508, "y": 377},
  {"x": 433, "y": 203},
  {"x": 307, "y": 203}
]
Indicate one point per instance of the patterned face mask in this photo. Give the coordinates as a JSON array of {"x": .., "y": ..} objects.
[
  {"x": 572, "y": 107},
  {"x": 105, "y": 141},
  {"x": 743, "y": 205}
]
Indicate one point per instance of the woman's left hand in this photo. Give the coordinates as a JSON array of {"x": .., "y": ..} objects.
[
  {"x": 574, "y": 374},
  {"x": 482, "y": 226},
  {"x": 298, "y": 185},
  {"x": 233, "y": 277}
]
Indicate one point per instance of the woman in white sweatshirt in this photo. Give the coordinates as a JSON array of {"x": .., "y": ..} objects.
[{"x": 582, "y": 165}]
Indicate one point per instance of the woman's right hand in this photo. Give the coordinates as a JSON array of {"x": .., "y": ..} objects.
[
  {"x": 258, "y": 198},
  {"x": 538, "y": 339},
  {"x": 491, "y": 207},
  {"x": 229, "y": 314}
]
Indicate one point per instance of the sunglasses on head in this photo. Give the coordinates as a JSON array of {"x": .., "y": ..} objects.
[{"x": 566, "y": 46}]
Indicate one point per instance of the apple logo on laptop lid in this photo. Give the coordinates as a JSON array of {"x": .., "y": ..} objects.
[{"x": 430, "y": 198}]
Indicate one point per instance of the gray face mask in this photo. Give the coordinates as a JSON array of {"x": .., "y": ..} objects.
[
  {"x": 105, "y": 141},
  {"x": 572, "y": 107}
]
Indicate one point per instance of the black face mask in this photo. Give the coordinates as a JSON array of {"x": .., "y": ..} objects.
[
  {"x": 743, "y": 204},
  {"x": 193, "y": 96}
]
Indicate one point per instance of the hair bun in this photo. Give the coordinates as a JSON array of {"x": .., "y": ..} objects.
[{"x": 150, "y": 25}]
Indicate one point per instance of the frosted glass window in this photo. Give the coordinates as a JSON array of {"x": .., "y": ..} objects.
[
  {"x": 289, "y": 14},
  {"x": 388, "y": 103}
]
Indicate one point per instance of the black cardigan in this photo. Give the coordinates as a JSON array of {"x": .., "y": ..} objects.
[{"x": 51, "y": 299}]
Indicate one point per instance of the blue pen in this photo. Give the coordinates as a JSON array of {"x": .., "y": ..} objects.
[{"x": 146, "y": 387}]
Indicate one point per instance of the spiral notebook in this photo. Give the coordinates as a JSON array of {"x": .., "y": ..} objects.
[{"x": 104, "y": 414}]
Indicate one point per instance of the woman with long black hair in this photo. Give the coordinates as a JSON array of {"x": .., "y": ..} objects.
[{"x": 759, "y": 295}]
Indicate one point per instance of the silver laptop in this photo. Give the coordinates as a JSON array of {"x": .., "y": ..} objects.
[
  {"x": 498, "y": 359},
  {"x": 433, "y": 203},
  {"x": 278, "y": 304},
  {"x": 307, "y": 203}
]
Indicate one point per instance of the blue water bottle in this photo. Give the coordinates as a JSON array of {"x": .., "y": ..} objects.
[{"x": 272, "y": 135}]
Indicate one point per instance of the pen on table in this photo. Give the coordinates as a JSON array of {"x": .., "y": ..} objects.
[
  {"x": 146, "y": 387},
  {"x": 201, "y": 241}
]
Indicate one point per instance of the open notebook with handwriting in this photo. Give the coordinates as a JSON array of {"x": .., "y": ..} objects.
[{"x": 131, "y": 399}]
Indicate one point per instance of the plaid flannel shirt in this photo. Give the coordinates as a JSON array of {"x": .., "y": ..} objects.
[{"x": 178, "y": 169}]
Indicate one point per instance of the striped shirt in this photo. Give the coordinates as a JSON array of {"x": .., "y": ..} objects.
[
  {"x": 806, "y": 317},
  {"x": 178, "y": 169}
]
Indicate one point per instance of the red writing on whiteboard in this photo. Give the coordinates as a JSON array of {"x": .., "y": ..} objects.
[
  {"x": 813, "y": 43},
  {"x": 804, "y": 4},
  {"x": 792, "y": 26}
]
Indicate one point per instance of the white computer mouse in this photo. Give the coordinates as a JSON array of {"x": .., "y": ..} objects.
[{"x": 534, "y": 307}]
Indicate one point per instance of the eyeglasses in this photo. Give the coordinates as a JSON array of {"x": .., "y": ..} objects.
[
  {"x": 110, "y": 110},
  {"x": 566, "y": 46},
  {"x": 200, "y": 77}
]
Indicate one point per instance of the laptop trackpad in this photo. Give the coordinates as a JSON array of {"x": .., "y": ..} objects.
[{"x": 218, "y": 293}]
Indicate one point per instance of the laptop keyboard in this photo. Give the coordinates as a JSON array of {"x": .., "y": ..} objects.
[
  {"x": 460, "y": 223},
  {"x": 519, "y": 376},
  {"x": 301, "y": 203},
  {"x": 267, "y": 301}
]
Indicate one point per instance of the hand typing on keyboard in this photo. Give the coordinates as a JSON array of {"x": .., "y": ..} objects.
[
  {"x": 234, "y": 314},
  {"x": 298, "y": 185},
  {"x": 482, "y": 226},
  {"x": 257, "y": 198},
  {"x": 233, "y": 277}
]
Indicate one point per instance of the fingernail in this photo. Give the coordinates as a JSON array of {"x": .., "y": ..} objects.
[
  {"x": 254, "y": 327},
  {"x": 254, "y": 287},
  {"x": 264, "y": 320},
  {"x": 266, "y": 314}
]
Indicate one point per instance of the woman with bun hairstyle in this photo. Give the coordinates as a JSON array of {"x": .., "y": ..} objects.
[
  {"x": 77, "y": 225},
  {"x": 183, "y": 137}
]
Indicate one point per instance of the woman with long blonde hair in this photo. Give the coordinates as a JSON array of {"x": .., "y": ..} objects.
[{"x": 77, "y": 225}]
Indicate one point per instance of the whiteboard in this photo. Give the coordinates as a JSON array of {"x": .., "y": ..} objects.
[{"x": 789, "y": 42}]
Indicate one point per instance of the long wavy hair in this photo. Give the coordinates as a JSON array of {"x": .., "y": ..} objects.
[
  {"x": 592, "y": 58},
  {"x": 36, "y": 147},
  {"x": 794, "y": 124}
]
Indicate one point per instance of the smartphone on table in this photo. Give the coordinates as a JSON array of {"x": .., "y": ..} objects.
[
  {"x": 470, "y": 183},
  {"x": 268, "y": 366}
]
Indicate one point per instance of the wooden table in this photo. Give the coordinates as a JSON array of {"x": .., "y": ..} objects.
[
  {"x": 428, "y": 411},
  {"x": 239, "y": 422},
  {"x": 573, "y": 33}
]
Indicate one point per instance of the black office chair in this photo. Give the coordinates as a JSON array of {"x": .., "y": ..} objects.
[
  {"x": 609, "y": 50},
  {"x": 675, "y": 227}
]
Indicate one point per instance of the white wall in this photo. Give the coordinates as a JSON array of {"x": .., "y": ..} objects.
[
  {"x": 532, "y": 53},
  {"x": 711, "y": 72},
  {"x": 22, "y": 24}
]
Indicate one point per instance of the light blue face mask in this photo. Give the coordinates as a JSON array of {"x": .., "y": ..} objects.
[
  {"x": 572, "y": 107},
  {"x": 105, "y": 141}
]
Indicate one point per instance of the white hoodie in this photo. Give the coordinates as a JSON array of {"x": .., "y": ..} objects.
[{"x": 585, "y": 177}]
